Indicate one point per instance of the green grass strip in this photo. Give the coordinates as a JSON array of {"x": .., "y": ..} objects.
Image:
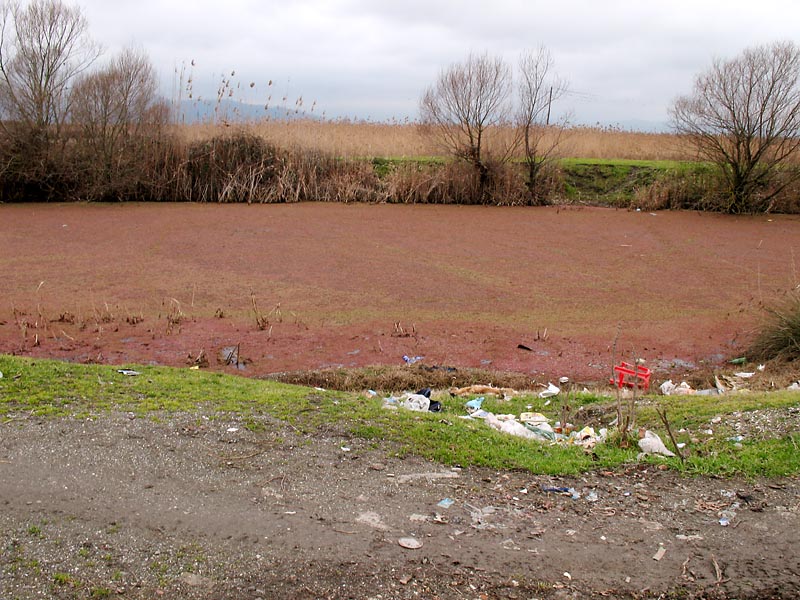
[{"x": 47, "y": 388}]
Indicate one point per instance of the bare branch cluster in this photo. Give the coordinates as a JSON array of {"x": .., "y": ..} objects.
[
  {"x": 479, "y": 115},
  {"x": 44, "y": 46},
  {"x": 744, "y": 116}
]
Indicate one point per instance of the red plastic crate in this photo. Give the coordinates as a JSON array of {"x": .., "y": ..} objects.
[{"x": 626, "y": 375}]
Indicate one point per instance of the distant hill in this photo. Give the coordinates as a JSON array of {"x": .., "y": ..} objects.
[
  {"x": 633, "y": 125},
  {"x": 208, "y": 111}
]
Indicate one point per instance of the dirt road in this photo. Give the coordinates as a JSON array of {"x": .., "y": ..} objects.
[{"x": 196, "y": 508}]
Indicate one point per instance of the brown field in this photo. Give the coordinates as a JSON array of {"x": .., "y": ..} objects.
[
  {"x": 358, "y": 285},
  {"x": 369, "y": 139}
]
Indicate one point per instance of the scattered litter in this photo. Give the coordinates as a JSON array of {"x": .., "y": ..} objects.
[
  {"x": 535, "y": 426},
  {"x": 552, "y": 390},
  {"x": 660, "y": 553},
  {"x": 474, "y": 405},
  {"x": 533, "y": 418},
  {"x": 416, "y": 402},
  {"x": 745, "y": 374},
  {"x": 344, "y": 449},
  {"x": 736, "y": 438},
  {"x": 478, "y": 414},
  {"x": 708, "y": 392},
  {"x": 761, "y": 368},
  {"x": 738, "y": 361},
  {"x": 412, "y": 359},
  {"x": 564, "y": 491},
  {"x": 668, "y": 388},
  {"x": 513, "y": 427},
  {"x": 410, "y": 543},
  {"x": 232, "y": 429},
  {"x": 129, "y": 372},
  {"x": 795, "y": 387},
  {"x": 229, "y": 355},
  {"x": 524, "y": 347},
  {"x": 319, "y": 389},
  {"x": 483, "y": 389},
  {"x": 728, "y": 515},
  {"x": 650, "y": 443},
  {"x": 689, "y": 538},
  {"x": 563, "y": 380},
  {"x": 445, "y": 503},
  {"x": 591, "y": 496},
  {"x": 1, "y": 374}
]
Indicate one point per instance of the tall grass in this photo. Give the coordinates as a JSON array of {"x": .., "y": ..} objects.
[
  {"x": 779, "y": 336},
  {"x": 358, "y": 139}
]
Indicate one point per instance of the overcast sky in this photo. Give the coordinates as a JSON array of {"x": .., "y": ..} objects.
[{"x": 624, "y": 60}]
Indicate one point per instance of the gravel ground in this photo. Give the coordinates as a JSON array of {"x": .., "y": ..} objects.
[{"x": 191, "y": 507}]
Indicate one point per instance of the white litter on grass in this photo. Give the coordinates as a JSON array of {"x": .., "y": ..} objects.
[
  {"x": 652, "y": 444},
  {"x": 416, "y": 402},
  {"x": 668, "y": 388},
  {"x": 552, "y": 390}
]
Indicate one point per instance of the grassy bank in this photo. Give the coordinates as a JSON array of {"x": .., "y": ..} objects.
[{"x": 51, "y": 389}]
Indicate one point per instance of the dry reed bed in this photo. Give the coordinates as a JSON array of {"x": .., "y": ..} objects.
[{"x": 367, "y": 139}]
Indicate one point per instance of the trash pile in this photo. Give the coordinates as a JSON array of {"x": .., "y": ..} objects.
[
  {"x": 723, "y": 384},
  {"x": 419, "y": 401},
  {"x": 536, "y": 426}
]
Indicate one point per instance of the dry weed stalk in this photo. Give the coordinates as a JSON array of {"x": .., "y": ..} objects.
[
  {"x": 662, "y": 414},
  {"x": 400, "y": 331},
  {"x": 174, "y": 316}
]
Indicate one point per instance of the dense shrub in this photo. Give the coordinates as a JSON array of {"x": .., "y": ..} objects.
[
  {"x": 455, "y": 183},
  {"x": 230, "y": 168},
  {"x": 694, "y": 189}
]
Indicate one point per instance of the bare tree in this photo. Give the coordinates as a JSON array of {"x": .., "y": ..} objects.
[
  {"x": 538, "y": 88},
  {"x": 117, "y": 111},
  {"x": 744, "y": 116},
  {"x": 43, "y": 47},
  {"x": 468, "y": 100}
]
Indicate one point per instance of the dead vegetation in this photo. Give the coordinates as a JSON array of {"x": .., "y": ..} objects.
[{"x": 411, "y": 377}]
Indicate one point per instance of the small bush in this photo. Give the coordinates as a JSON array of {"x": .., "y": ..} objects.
[
  {"x": 779, "y": 337},
  {"x": 456, "y": 183},
  {"x": 230, "y": 168}
]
